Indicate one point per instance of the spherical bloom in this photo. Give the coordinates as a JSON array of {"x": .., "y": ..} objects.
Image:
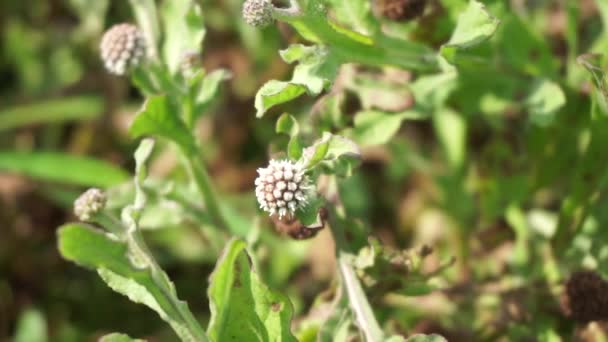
[
  {"x": 123, "y": 46},
  {"x": 400, "y": 9},
  {"x": 282, "y": 188},
  {"x": 258, "y": 13},
  {"x": 89, "y": 204}
]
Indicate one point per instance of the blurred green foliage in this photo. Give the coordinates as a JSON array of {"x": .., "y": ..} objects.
[{"x": 498, "y": 159}]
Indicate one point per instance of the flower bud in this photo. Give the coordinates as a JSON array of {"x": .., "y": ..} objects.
[
  {"x": 123, "y": 47},
  {"x": 282, "y": 188},
  {"x": 400, "y": 10},
  {"x": 258, "y": 13},
  {"x": 89, "y": 204}
]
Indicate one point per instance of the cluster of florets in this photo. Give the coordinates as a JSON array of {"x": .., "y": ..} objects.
[
  {"x": 123, "y": 47},
  {"x": 258, "y": 13},
  {"x": 282, "y": 188},
  {"x": 89, "y": 204}
]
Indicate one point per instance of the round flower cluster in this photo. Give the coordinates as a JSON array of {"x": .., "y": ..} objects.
[
  {"x": 282, "y": 188},
  {"x": 89, "y": 204},
  {"x": 258, "y": 13},
  {"x": 123, "y": 46}
]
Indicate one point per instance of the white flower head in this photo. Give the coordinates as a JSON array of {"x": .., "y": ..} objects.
[
  {"x": 282, "y": 188},
  {"x": 89, "y": 204},
  {"x": 258, "y": 13},
  {"x": 123, "y": 47}
]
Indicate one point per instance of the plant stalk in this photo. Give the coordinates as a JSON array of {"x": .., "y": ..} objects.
[{"x": 359, "y": 303}]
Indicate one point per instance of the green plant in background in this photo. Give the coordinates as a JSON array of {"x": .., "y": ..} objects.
[{"x": 519, "y": 132}]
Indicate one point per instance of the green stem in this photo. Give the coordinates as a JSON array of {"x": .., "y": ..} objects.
[
  {"x": 380, "y": 50},
  {"x": 359, "y": 303},
  {"x": 205, "y": 186},
  {"x": 142, "y": 258}
]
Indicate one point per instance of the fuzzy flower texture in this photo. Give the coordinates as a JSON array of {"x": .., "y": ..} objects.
[
  {"x": 282, "y": 188},
  {"x": 123, "y": 47},
  {"x": 258, "y": 13},
  {"x": 89, "y": 204}
]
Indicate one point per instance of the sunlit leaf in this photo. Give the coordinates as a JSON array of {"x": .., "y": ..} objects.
[{"x": 242, "y": 307}]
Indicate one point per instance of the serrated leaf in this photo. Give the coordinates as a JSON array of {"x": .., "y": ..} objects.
[
  {"x": 93, "y": 249},
  {"x": 117, "y": 337},
  {"x": 159, "y": 118},
  {"x": 184, "y": 31},
  {"x": 63, "y": 168},
  {"x": 287, "y": 124},
  {"x": 276, "y": 92},
  {"x": 545, "y": 99},
  {"x": 475, "y": 25},
  {"x": 242, "y": 307}
]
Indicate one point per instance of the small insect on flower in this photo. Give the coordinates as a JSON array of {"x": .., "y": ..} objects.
[
  {"x": 282, "y": 188},
  {"x": 89, "y": 204},
  {"x": 258, "y": 13},
  {"x": 123, "y": 47}
]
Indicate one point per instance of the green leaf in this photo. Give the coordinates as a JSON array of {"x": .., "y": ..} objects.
[
  {"x": 207, "y": 90},
  {"x": 338, "y": 154},
  {"x": 545, "y": 99},
  {"x": 184, "y": 31},
  {"x": 51, "y": 111},
  {"x": 63, "y": 168},
  {"x": 451, "y": 128},
  {"x": 31, "y": 326},
  {"x": 295, "y": 148},
  {"x": 374, "y": 127},
  {"x": 287, "y": 124},
  {"x": 242, "y": 307},
  {"x": 93, "y": 249},
  {"x": 475, "y": 25},
  {"x": 356, "y": 13},
  {"x": 117, "y": 337},
  {"x": 276, "y": 92},
  {"x": 316, "y": 70},
  {"x": 158, "y": 117},
  {"x": 147, "y": 20}
]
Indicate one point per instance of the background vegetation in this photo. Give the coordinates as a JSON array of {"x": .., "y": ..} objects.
[{"x": 501, "y": 167}]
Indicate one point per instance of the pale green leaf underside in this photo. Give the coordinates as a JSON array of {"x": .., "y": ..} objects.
[
  {"x": 475, "y": 25},
  {"x": 95, "y": 250},
  {"x": 242, "y": 307}
]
